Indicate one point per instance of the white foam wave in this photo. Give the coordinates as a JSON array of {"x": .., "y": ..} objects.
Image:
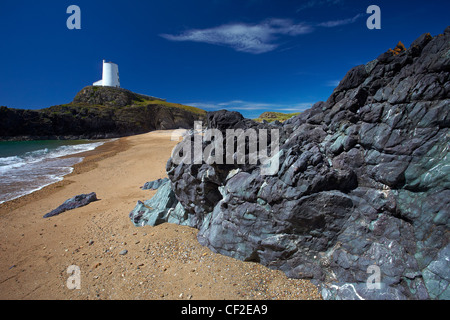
[{"x": 32, "y": 171}]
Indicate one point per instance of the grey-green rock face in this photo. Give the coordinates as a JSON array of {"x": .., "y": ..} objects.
[{"x": 363, "y": 184}]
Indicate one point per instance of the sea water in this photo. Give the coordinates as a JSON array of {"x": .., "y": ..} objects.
[{"x": 28, "y": 166}]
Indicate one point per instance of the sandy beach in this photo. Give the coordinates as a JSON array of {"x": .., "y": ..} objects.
[{"x": 163, "y": 262}]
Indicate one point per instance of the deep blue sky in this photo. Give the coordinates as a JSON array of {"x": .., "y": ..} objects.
[{"x": 251, "y": 56}]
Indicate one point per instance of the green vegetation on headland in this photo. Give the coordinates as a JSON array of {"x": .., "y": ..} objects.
[
  {"x": 149, "y": 102},
  {"x": 118, "y": 97},
  {"x": 274, "y": 116}
]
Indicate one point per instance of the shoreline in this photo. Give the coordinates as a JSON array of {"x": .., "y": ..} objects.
[
  {"x": 89, "y": 162},
  {"x": 160, "y": 263}
]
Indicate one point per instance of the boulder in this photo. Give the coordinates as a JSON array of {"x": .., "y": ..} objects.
[
  {"x": 163, "y": 207},
  {"x": 73, "y": 203},
  {"x": 154, "y": 185}
]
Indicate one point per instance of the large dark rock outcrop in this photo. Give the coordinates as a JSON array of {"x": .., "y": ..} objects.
[
  {"x": 363, "y": 185},
  {"x": 96, "y": 113}
]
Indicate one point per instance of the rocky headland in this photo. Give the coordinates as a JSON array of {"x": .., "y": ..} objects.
[
  {"x": 360, "y": 203},
  {"x": 97, "y": 113}
]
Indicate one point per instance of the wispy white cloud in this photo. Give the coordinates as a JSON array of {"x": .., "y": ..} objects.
[
  {"x": 332, "y": 83},
  {"x": 254, "y": 38},
  {"x": 250, "y": 38},
  {"x": 208, "y": 106},
  {"x": 337, "y": 23}
]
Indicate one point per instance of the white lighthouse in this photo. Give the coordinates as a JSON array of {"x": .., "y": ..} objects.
[{"x": 110, "y": 77}]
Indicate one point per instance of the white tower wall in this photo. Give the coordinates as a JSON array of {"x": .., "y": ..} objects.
[{"x": 110, "y": 76}]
